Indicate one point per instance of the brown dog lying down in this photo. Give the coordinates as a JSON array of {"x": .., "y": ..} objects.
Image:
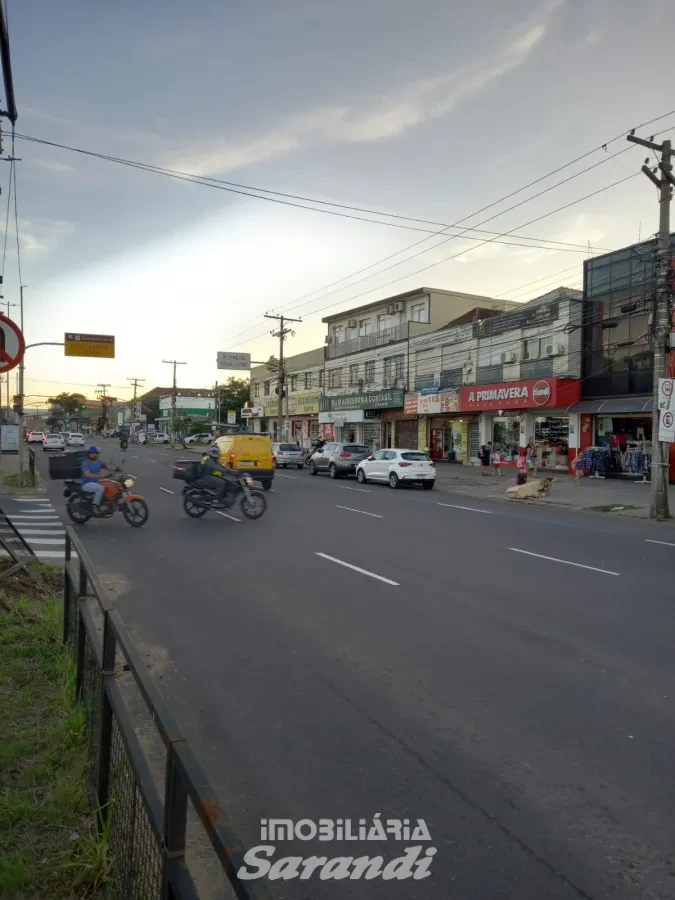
[{"x": 534, "y": 489}]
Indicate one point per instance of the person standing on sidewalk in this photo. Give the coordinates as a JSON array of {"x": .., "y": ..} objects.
[
  {"x": 521, "y": 477},
  {"x": 497, "y": 463},
  {"x": 579, "y": 467},
  {"x": 484, "y": 455}
]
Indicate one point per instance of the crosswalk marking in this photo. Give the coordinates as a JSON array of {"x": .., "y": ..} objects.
[{"x": 40, "y": 526}]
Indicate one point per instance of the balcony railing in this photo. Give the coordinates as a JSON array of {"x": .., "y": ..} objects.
[{"x": 368, "y": 341}]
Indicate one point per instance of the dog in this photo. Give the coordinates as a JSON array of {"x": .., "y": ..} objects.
[{"x": 531, "y": 490}]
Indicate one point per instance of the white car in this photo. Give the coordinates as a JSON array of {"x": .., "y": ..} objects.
[
  {"x": 161, "y": 438},
  {"x": 36, "y": 437},
  {"x": 204, "y": 438},
  {"x": 75, "y": 439},
  {"x": 53, "y": 442},
  {"x": 394, "y": 467}
]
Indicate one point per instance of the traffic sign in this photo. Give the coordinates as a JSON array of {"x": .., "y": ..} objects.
[
  {"x": 12, "y": 344},
  {"x": 246, "y": 413},
  {"x": 239, "y": 362},
  {"x": 99, "y": 345},
  {"x": 231, "y": 417},
  {"x": 667, "y": 426},
  {"x": 666, "y": 393}
]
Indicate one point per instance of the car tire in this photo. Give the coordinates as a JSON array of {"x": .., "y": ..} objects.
[
  {"x": 299, "y": 467},
  {"x": 428, "y": 485},
  {"x": 333, "y": 472},
  {"x": 393, "y": 480},
  {"x": 312, "y": 468},
  {"x": 361, "y": 476}
]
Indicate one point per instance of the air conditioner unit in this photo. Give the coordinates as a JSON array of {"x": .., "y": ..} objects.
[
  {"x": 391, "y": 309},
  {"x": 351, "y": 323},
  {"x": 399, "y": 306},
  {"x": 508, "y": 357},
  {"x": 549, "y": 351}
]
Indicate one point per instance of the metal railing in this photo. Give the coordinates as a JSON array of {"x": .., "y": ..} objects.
[
  {"x": 367, "y": 341},
  {"x": 143, "y": 779}
]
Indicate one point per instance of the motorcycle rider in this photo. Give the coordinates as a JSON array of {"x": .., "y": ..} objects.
[
  {"x": 214, "y": 476},
  {"x": 92, "y": 473}
]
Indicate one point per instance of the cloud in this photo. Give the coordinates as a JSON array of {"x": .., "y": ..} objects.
[
  {"x": 40, "y": 237},
  {"x": 53, "y": 166},
  {"x": 383, "y": 118}
]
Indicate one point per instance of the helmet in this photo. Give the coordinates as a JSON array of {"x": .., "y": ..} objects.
[
  {"x": 93, "y": 450},
  {"x": 213, "y": 452}
]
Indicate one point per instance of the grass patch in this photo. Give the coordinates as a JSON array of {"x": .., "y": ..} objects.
[
  {"x": 50, "y": 844},
  {"x": 26, "y": 480}
]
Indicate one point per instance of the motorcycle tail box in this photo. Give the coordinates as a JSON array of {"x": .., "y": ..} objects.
[{"x": 186, "y": 469}]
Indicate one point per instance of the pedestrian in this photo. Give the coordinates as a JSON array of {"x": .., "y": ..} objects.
[
  {"x": 579, "y": 467},
  {"x": 531, "y": 457},
  {"x": 521, "y": 477},
  {"x": 484, "y": 455},
  {"x": 497, "y": 463}
]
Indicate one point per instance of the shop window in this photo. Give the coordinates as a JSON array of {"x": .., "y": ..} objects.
[
  {"x": 370, "y": 372},
  {"x": 506, "y": 436},
  {"x": 551, "y": 438}
]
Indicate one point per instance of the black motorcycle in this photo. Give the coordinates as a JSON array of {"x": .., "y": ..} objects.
[
  {"x": 198, "y": 499},
  {"x": 124, "y": 444}
]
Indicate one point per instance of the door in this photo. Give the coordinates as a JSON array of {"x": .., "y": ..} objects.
[
  {"x": 322, "y": 459},
  {"x": 385, "y": 465},
  {"x": 375, "y": 468}
]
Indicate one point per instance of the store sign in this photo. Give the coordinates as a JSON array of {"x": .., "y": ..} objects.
[
  {"x": 390, "y": 399},
  {"x": 514, "y": 395},
  {"x": 529, "y": 317},
  {"x": 667, "y": 426},
  {"x": 304, "y": 404},
  {"x": 431, "y": 404},
  {"x": 410, "y": 403}
]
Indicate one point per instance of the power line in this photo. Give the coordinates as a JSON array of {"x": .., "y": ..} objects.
[
  {"x": 16, "y": 213},
  {"x": 9, "y": 201}
]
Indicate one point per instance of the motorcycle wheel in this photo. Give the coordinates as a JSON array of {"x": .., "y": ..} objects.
[
  {"x": 191, "y": 508},
  {"x": 255, "y": 507},
  {"x": 136, "y": 513},
  {"x": 79, "y": 511}
]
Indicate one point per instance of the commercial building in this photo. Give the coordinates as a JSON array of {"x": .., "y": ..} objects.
[
  {"x": 300, "y": 406},
  {"x": 508, "y": 379},
  {"x": 367, "y": 362},
  {"x": 615, "y": 411},
  {"x": 193, "y": 408}
]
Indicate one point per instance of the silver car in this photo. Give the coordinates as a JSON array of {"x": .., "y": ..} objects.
[
  {"x": 338, "y": 459},
  {"x": 288, "y": 455}
]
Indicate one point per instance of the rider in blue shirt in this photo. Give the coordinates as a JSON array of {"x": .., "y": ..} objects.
[{"x": 92, "y": 469}]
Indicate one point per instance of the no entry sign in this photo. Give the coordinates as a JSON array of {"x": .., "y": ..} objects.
[{"x": 12, "y": 344}]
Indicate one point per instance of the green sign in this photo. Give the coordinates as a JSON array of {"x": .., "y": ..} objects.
[{"x": 390, "y": 399}]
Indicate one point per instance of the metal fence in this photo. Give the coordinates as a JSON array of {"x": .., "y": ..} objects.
[{"x": 145, "y": 783}]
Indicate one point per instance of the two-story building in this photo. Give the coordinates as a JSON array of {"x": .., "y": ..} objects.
[
  {"x": 300, "y": 406},
  {"x": 507, "y": 378},
  {"x": 367, "y": 363}
]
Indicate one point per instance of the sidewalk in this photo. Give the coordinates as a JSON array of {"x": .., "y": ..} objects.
[{"x": 596, "y": 494}]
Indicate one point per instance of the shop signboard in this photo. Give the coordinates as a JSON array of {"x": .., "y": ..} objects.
[
  {"x": 410, "y": 403},
  {"x": 529, "y": 317},
  {"x": 431, "y": 404},
  {"x": 527, "y": 394},
  {"x": 449, "y": 401},
  {"x": 304, "y": 404},
  {"x": 390, "y": 399}
]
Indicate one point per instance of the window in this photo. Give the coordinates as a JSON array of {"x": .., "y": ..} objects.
[
  {"x": 414, "y": 456},
  {"x": 382, "y": 322},
  {"x": 535, "y": 348},
  {"x": 354, "y": 374},
  {"x": 294, "y": 382},
  {"x": 266, "y": 388},
  {"x": 418, "y": 312},
  {"x": 256, "y": 390},
  {"x": 393, "y": 367},
  {"x": 308, "y": 381},
  {"x": 379, "y": 455},
  {"x": 335, "y": 378},
  {"x": 320, "y": 378},
  {"x": 370, "y": 372},
  {"x": 364, "y": 327},
  {"x": 338, "y": 334}
]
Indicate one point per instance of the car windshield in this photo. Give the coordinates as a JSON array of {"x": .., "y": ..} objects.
[
  {"x": 74, "y": 435},
  {"x": 418, "y": 455},
  {"x": 288, "y": 447},
  {"x": 355, "y": 448}
]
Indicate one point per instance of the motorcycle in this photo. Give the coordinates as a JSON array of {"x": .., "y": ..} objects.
[
  {"x": 316, "y": 445},
  {"x": 116, "y": 496},
  {"x": 124, "y": 444},
  {"x": 198, "y": 500}
]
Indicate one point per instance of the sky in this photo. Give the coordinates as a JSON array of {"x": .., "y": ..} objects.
[{"x": 432, "y": 110}]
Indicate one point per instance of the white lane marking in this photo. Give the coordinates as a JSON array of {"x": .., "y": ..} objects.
[
  {"x": 56, "y": 540},
  {"x": 167, "y": 491},
  {"x": 162, "y": 453},
  {"x": 271, "y": 491},
  {"x": 665, "y": 543},
  {"x": 347, "y": 565},
  {"x": 360, "y": 490},
  {"x": 488, "y": 512},
  {"x": 292, "y": 477},
  {"x": 25, "y": 519},
  {"x": 565, "y": 561},
  {"x": 362, "y": 511},
  {"x": 226, "y": 516},
  {"x": 152, "y": 460},
  {"x": 32, "y": 500}
]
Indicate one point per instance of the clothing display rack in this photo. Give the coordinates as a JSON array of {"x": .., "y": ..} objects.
[{"x": 597, "y": 461}]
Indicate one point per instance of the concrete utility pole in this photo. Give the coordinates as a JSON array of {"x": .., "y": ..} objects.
[
  {"x": 135, "y": 382},
  {"x": 102, "y": 389},
  {"x": 662, "y": 316},
  {"x": 281, "y": 333},
  {"x": 174, "y": 392}
]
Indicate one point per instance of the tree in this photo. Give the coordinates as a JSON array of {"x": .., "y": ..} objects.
[
  {"x": 68, "y": 403},
  {"x": 233, "y": 395}
]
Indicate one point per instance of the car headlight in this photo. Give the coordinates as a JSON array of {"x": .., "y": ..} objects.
[{"x": 129, "y": 482}]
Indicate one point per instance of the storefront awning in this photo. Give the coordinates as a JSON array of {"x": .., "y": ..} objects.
[{"x": 614, "y": 406}]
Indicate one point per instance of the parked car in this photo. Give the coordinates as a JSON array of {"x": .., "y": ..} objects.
[
  {"x": 394, "y": 467},
  {"x": 74, "y": 439},
  {"x": 160, "y": 437},
  {"x": 288, "y": 455},
  {"x": 35, "y": 437},
  {"x": 54, "y": 441},
  {"x": 337, "y": 459},
  {"x": 203, "y": 438}
]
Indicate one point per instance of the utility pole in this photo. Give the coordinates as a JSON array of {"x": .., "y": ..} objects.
[
  {"x": 662, "y": 316},
  {"x": 281, "y": 333},
  {"x": 174, "y": 392},
  {"x": 217, "y": 393},
  {"x": 135, "y": 382},
  {"x": 102, "y": 391},
  {"x": 8, "y": 305}
]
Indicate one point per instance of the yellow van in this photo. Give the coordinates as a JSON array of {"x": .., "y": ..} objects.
[{"x": 250, "y": 453}]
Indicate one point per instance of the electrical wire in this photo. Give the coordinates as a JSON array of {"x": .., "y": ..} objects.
[
  {"x": 9, "y": 201},
  {"x": 16, "y": 217}
]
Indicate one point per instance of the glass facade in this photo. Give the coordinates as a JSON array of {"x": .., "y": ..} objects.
[{"x": 617, "y": 322}]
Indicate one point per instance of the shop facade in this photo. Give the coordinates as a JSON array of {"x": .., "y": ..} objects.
[
  {"x": 535, "y": 412},
  {"x": 303, "y": 415},
  {"x": 615, "y": 436},
  {"x": 358, "y": 418},
  {"x": 442, "y": 428}
]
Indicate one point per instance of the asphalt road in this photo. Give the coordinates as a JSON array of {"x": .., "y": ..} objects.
[{"x": 506, "y": 675}]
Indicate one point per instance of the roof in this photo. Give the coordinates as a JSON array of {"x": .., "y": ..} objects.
[
  {"x": 405, "y": 296},
  {"x": 158, "y": 392}
]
